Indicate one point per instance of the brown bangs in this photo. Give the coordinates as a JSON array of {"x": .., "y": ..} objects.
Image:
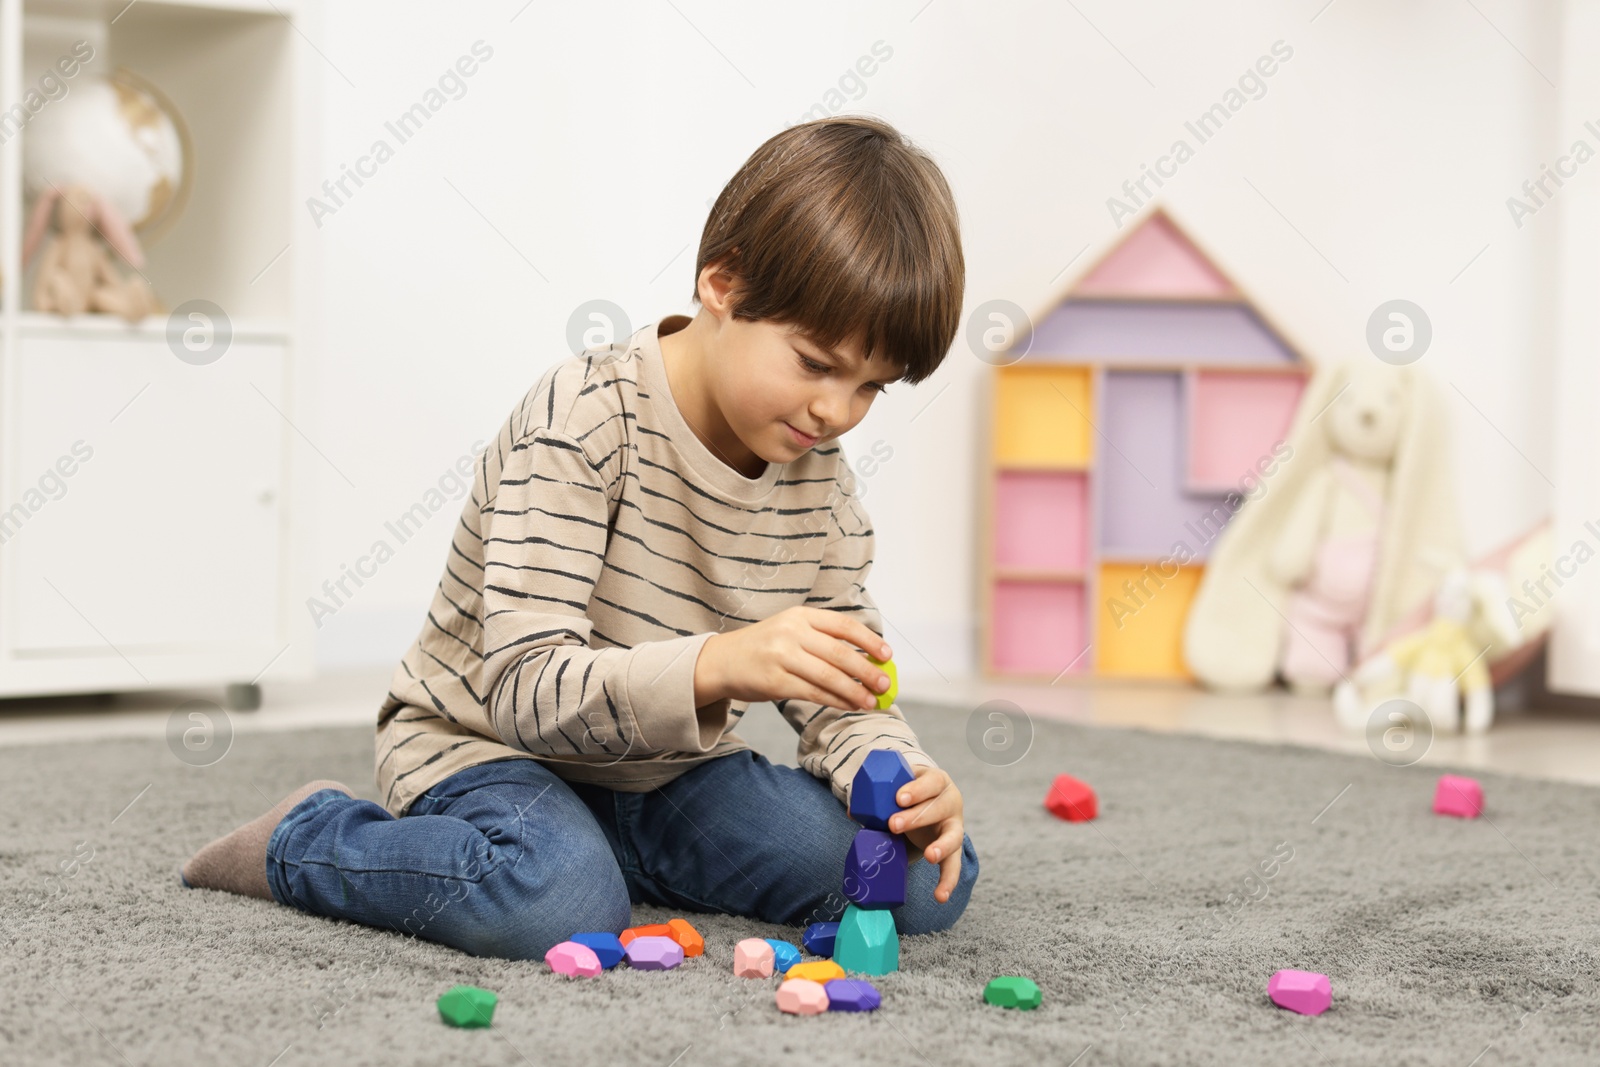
[{"x": 844, "y": 230}]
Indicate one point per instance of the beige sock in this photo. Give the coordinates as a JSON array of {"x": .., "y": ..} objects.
[{"x": 237, "y": 863}]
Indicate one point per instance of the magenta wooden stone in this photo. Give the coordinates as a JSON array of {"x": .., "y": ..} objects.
[
  {"x": 1459, "y": 796},
  {"x": 652, "y": 953},
  {"x": 1306, "y": 992}
]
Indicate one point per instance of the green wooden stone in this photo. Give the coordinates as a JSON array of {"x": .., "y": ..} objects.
[
  {"x": 1010, "y": 991},
  {"x": 867, "y": 942},
  {"x": 467, "y": 1005}
]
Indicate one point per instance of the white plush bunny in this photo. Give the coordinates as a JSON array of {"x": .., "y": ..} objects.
[{"x": 1311, "y": 575}]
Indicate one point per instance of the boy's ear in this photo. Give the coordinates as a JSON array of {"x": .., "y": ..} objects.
[{"x": 716, "y": 283}]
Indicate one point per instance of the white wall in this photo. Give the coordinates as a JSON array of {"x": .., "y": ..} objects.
[{"x": 581, "y": 161}]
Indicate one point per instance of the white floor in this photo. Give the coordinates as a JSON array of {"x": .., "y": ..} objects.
[{"x": 1544, "y": 744}]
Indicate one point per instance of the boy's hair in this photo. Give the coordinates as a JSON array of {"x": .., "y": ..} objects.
[{"x": 845, "y": 230}]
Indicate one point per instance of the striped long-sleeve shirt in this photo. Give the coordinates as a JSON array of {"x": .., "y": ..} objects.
[{"x": 601, "y": 546}]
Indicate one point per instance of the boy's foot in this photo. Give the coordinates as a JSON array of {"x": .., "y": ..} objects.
[{"x": 237, "y": 863}]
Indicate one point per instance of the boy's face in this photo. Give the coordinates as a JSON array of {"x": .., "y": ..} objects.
[{"x": 775, "y": 385}]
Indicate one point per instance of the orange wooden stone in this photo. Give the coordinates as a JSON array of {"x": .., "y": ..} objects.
[
  {"x": 652, "y": 930},
  {"x": 687, "y": 936}
]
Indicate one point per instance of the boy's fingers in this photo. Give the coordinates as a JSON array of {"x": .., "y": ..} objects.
[
  {"x": 949, "y": 875},
  {"x": 946, "y": 846},
  {"x": 928, "y": 813},
  {"x": 926, "y": 783},
  {"x": 854, "y": 631}
]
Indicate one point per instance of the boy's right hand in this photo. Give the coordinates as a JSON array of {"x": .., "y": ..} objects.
[{"x": 796, "y": 654}]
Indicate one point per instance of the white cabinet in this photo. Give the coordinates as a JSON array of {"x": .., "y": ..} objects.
[{"x": 151, "y": 509}]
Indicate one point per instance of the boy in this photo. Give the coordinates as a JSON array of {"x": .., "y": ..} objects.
[{"x": 663, "y": 532}]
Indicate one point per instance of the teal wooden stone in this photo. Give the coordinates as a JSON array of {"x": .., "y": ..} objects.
[
  {"x": 467, "y": 1005},
  {"x": 867, "y": 941}
]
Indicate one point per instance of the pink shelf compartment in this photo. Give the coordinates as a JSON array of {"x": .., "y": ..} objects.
[
  {"x": 1039, "y": 628},
  {"x": 1041, "y": 520},
  {"x": 1234, "y": 420}
]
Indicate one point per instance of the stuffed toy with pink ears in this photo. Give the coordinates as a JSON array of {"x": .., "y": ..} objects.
[{"x": 76, "y": 274}]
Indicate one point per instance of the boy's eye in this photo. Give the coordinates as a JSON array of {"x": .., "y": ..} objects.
[{"x": 816, "y": 368}]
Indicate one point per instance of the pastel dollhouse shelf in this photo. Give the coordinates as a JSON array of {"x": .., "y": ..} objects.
[{"x": 1149, "y": 401}]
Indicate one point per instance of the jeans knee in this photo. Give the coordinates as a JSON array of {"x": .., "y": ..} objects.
[
  {"x": 922, "y": 913},
  {"x": 517, "y": 913}
]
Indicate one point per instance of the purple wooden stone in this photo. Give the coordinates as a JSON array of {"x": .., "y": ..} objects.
[
  {"x": 852, "y": 994},
  {"x": 875, "y": 870},
  {"x": 654, "y": 953},
  {"x": 1306, "y": 992}
]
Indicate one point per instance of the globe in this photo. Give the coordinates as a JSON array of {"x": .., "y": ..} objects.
[{"x": 120, "y": 137}]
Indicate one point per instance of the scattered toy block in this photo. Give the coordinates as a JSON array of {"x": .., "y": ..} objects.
[
  {"x": 467, "y": 1006},
  {"x": 753, "y": 958},
  {"x": 818, "y": 938},
  {"x": 687, "y": 936},
  {"x": 875, "y": 869},
  {"x": 867, "y": 942},
  {"x": 1071, "y": 799},
  {"x": 852, "y": 994},
  {"x": 886, "y": 698},
  {"x": 802, "y": 996},
  {"x": 816, "y": 970},
  {"x": 1306, "y": 992},
  {"x": 1458, "y": 796},
  {"x": 784, "y": 956},
  {"x": 1013, "y": 991},
  {"x": 872, "y": 791},
  {"x": 653, "y": 930},
  {"x": 608, "y": 948},
  {"x": 572, "y": 959},
  {"x": 649, "y": 952}
]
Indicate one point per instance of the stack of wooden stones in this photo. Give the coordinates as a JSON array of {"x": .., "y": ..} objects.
[{"x": 864, "y": 940}]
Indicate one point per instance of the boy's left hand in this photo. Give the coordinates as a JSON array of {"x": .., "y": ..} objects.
[{"x": 931, "y": 820}]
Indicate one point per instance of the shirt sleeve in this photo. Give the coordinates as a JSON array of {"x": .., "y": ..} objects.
[
  {"x": 546, "y": 691},
  {"x": 835, "y": 741}
]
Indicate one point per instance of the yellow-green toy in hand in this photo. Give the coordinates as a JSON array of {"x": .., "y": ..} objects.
[{"x": 886, "y": 697}]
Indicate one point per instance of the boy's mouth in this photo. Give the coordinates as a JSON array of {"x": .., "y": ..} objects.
[{"x": 804, "y": 440}]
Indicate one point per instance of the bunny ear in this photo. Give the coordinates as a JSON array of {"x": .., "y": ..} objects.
[
  {"x": 39, "y": 222},
  {"x": 117, "y": 232}
]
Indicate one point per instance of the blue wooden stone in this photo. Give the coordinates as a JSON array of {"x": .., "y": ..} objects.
[
  {"x": 818, "y": 938},
  {"x": 784, "y": 956},
  {"x": 872, "y": 791},
  {"x": 875, "y": 870},
  {"x": 608, "y": 947}
]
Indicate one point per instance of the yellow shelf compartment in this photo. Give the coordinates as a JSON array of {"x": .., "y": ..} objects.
[
  {"x": 1044, "y": 417},
  {"x": 1139, "y": 620}
]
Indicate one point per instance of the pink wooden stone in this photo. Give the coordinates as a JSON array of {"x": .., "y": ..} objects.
[
  {"x": 1306, "y": 992},
  {"x": 653, "y": 953},
  {"x": 752, "y": 958},
  {"x": 571, "y": 959},
  {"x": 802, "y": 996},
  {"x": 1459, "y": 796}
]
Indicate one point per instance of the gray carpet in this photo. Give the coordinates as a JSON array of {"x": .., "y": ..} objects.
[{"x": 1448, "y": 942}]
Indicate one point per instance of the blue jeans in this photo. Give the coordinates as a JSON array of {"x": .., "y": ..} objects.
[{"x": 506, "y": 859}]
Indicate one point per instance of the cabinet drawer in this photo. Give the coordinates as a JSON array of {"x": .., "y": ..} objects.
[{"x": 150, "y": 492}]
